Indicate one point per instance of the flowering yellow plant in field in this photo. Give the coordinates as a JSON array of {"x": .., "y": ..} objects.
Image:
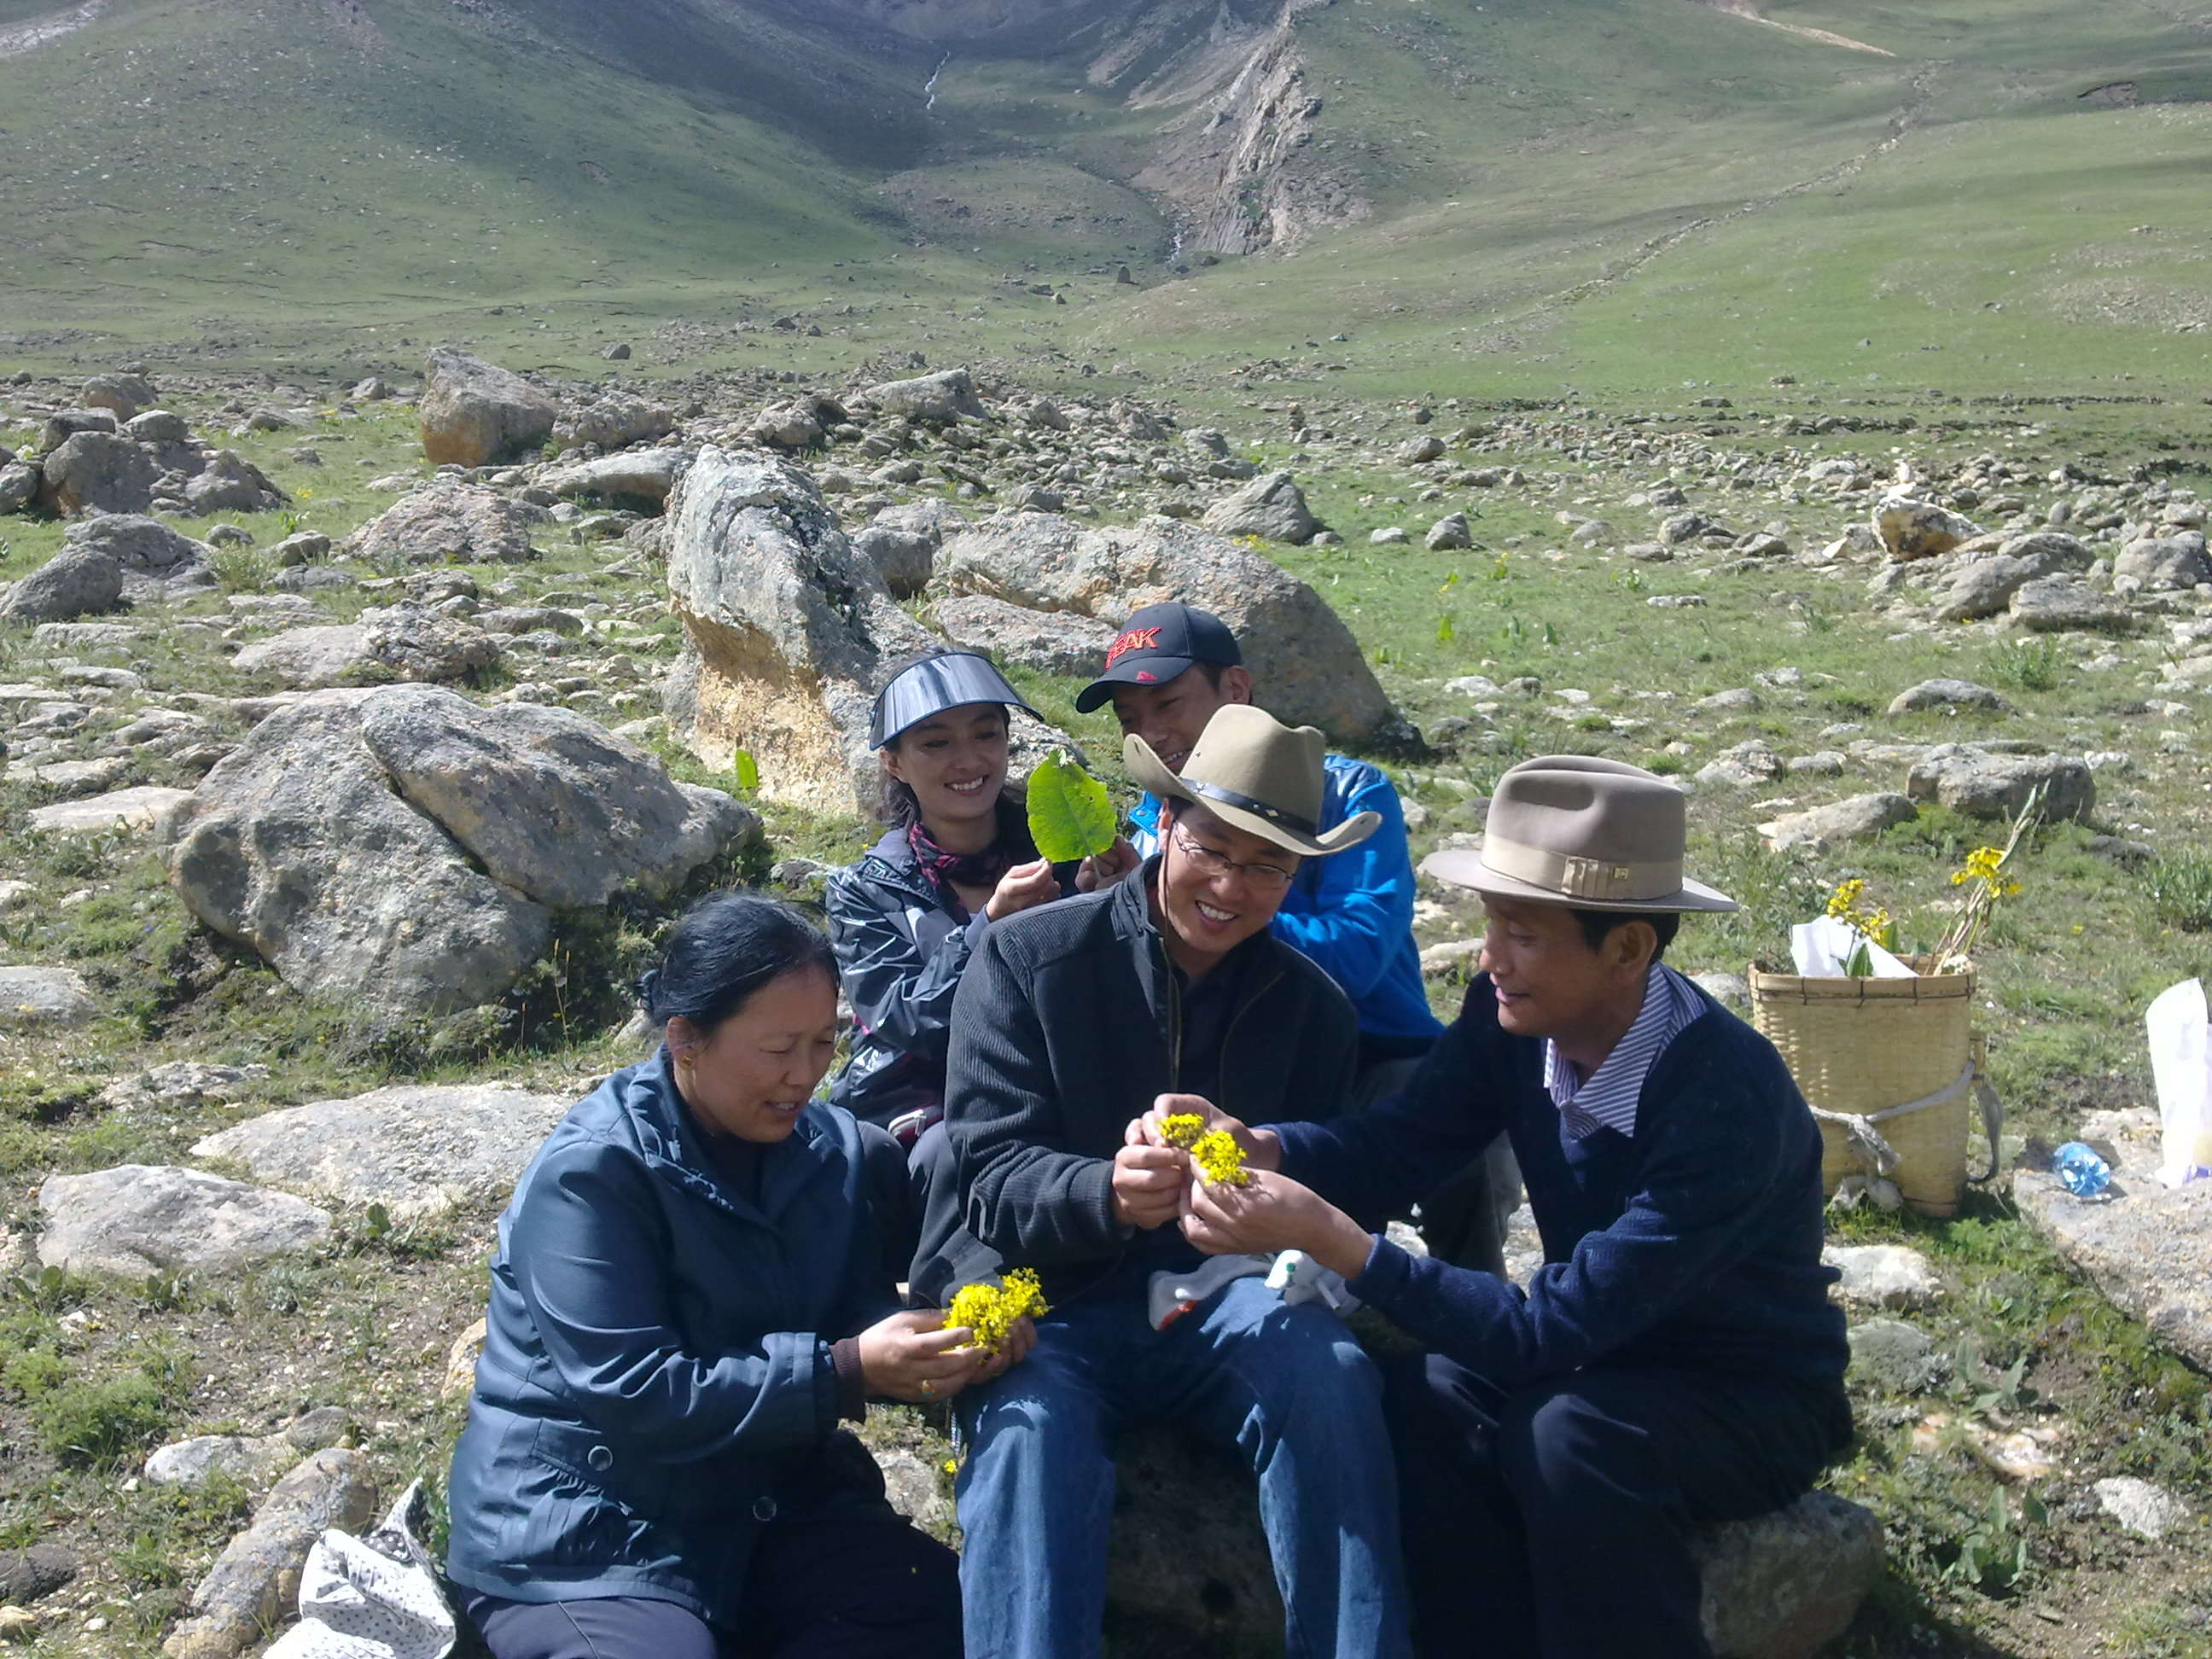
[
  {"x": 1984, "y": 873},
  {"x": 991, "y": 1310}
]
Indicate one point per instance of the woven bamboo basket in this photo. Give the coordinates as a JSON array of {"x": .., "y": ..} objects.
[{"x": 1861, "y": 1046}]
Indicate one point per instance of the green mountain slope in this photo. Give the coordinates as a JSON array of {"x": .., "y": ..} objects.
[{"x": 1527, "y": 196}]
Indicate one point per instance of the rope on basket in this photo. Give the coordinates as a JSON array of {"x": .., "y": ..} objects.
[{"x": 1879, "y": 1159}]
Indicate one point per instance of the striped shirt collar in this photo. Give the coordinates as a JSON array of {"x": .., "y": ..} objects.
[{"x": 1606, "y": 1098}]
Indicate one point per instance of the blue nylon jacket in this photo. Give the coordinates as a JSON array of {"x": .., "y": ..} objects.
[
  {"x": 656, "y": 1366},
  {"x": 1351, "y": 912}
]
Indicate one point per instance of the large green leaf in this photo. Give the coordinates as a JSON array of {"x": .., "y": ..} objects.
[{"x": 1071, "y": 815}]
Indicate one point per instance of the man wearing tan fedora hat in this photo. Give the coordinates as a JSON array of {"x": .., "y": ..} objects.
[
  {"x": 1675, "y": 1359},
  {"x": 1165, "y": 990}
]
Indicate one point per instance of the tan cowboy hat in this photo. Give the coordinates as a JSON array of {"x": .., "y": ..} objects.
[
  {"x": 1573, "y": 830},
  {"x": 1256, "y": 775}
]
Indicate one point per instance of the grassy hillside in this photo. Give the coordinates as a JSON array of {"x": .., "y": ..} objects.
[
  {"x": 1634, "y": 196},
  {"x": 1631, "y": 198}
]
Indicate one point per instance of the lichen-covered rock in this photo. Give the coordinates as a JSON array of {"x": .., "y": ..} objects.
[
  {"x": 1272, "y": 506},
  {"x": 140, "y": 1219},
  {"x": 416, "y": 1150},
  {"x": 298, "y": 848},
  {"x": 401, "y": 642},
  {"x": 257, "y": 1577},
  {"x": 448, "y": 522},
  {"x": 938, "y": 399},
  {"x": 1982, "y": 785},
  {"x": 613, "y": 419},
  {"x": 1306, "y": 665},
  {"x": 77, "y": 581},
  {"x": 1043, "y": 642},
  {"x": 648, "y": 474}
]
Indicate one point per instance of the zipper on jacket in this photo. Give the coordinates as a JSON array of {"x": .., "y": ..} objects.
[{"x": 1230, "y": 1030}]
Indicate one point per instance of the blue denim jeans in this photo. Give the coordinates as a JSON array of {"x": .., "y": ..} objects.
[{"x": 1288, "y": 1387}]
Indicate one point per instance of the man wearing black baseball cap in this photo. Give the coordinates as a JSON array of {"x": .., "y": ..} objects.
[{"x": 1166, "y": 672}]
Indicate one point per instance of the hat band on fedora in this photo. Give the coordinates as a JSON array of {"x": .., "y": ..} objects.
[
  {"x": 1245, "y": 803},
  {"x": 1575, "y": 877}
]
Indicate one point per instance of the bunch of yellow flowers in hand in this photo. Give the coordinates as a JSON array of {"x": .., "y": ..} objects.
[
  {"x": 1216, "y": 1154},
  {"x": 991, "y": 1311}
]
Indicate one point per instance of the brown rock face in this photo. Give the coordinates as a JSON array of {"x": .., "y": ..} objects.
[{"x": 474, "y": 413}]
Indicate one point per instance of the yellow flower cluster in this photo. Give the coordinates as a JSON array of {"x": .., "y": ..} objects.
[
  {"x": 1985, "y": 865},
  {"x": 1183, "y": 1129},
  {"x": 1219, "y": 1158},
  {"x": 1872, "y": 924},
  {"x": 991, "y": 1310}
]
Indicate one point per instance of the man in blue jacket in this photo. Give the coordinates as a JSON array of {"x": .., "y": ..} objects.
[
  {"x": 1167, "y": 670},
  {"x": 1676, "y": 1359}
]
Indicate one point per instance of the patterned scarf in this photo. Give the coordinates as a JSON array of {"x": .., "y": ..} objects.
[{"x": 942, "y": 869}]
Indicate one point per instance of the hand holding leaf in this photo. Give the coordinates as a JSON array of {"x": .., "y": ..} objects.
[{"x": 1071, "y": 815}]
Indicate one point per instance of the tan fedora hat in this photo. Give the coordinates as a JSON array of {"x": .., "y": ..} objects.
[
  {"x": 1256, "y": 775},
  {"x": 1573, "y": 830}
]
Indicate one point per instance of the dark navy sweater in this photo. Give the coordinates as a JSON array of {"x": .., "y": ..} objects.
[{"x": 1693, "y": 1244}]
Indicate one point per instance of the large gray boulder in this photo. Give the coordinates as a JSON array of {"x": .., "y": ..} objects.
[
  {"x": 400, "y": 643},
  {"x": 1784, "y": 1585},
  {"x": 19, "y": 483},
  {"x": 228, "y": 483},
  {"x": 2052, "y": 605},
  {"x": 43, "y": 996},
  {"x": 544, "y": 800},
  {"x": 1985, "y": 587},
  {"x": 2175, "y": 561},
  {"x": 1044, "y": 641},
  {"x": 298, "y": 846},
  {"x": 448, "y": 522},
  {"x": 938, "y": 399},
  {"x": 124, "y": 394},
  {"x": 474, "y": 413},
  {"x": 405, "y": 848},
  {"x": 1272, "y": 506},
  {"x": 1981, "y": 785},
  {"x": 648, "y": 474},
  {"x": 613, "y": 419},
  {"x": 787, "y": 629},
  {"x": 77, "y": 581},
  {"x": 415, "y": 1151},
  {"x": 1307, "y": 669},
  {"x": 98, "y": 472},
  {"x": 1861, "y": 817},
  {"x": 902, "y": 543},
  {"x": 146, "y": 1218},
  {"x": 155, "y": 558}
]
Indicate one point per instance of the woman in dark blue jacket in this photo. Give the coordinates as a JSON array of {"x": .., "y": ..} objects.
[{"x": 687, "y": 1300}]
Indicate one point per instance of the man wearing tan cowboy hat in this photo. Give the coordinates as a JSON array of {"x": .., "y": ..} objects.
[
  {"x": 1163, "y": 991},
  {"x": 1675, "y": 1359},
  {"x": 1167, "y": 671}
]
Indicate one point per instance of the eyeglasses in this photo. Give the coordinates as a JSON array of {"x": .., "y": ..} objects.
[{"x": 1267, "y": 878}]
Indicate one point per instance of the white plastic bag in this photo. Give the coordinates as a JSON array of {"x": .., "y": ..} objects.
[
  {"x": 1821, "y": 947},
  {"x": 2181, "y": 1064},
  {"x": 371, "y": 1598}
]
